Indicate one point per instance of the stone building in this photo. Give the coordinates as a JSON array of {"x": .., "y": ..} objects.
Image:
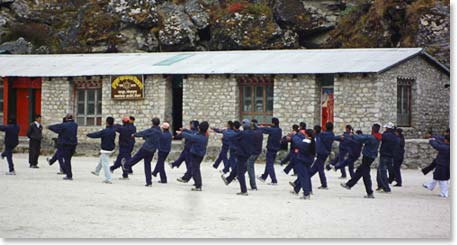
[{"x": 347, "y": 86}]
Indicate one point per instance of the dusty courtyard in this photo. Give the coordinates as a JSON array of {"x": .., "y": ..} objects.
[{"x": 38, "y": 203}]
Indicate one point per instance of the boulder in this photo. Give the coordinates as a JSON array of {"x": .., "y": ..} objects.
[
  {"x": 20, "y": 46},
  {"x": 178, "y": 32}
]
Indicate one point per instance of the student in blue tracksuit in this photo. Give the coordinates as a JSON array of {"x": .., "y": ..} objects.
[
  {"x": 185, "y": 156},
  {"x": 232, "y": 148},
  {"x": 108, "y": 137},
  {"x": 369, "y": 152},
  {"x": 343, "y": 151},
  {"x": 126, "y": 144},
  {"x": 58, "y": 153},
  {"x": 440, "y": 138},
  {"x": 324, "y": 141},
  {"x": 11, "y": 141},
  {"x": 258, "y": 145},
  {"x": 151, "y": 138},
  {"x": 354, "y": 154},
  {"x": 225, "y": 146},
  {"x": 399, "y": 153},
  {"x": 306, "y": 146},
  {"x": 290, "y": 166},
  {"x": 442, "y": 174},
  {"x": 69, "y": 132},
  {"x": 197, "y": 152},
  {"x": 390, "y": 144},
  {"x": 244, "y": 143},
  {"x": 164, "y": 150},
  {"x": 273, "y": 145}
]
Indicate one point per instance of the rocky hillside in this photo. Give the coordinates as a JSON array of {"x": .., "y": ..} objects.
[{"x": 72, "y": 26}]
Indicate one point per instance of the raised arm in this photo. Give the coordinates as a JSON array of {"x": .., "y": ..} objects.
[
  {"x": 95, "y": 135},
  {"x": 144, "y": 133},
  {"x": 56, "y": 128}
]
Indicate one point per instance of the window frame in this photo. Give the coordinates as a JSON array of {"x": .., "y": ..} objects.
[
  {"x": 404, "y": 84},
  {"x": 97, "y": 116},
  {"x": 253, "y": 82}
]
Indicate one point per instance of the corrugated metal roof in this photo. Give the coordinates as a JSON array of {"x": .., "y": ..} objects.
[{"x": 302, "y": 61}]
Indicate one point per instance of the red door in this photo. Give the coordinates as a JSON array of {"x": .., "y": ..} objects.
[
  {"x": 22, "y": 109},
  {"x": 37, "y": 93},
  {"x": 327, "y": 105}
]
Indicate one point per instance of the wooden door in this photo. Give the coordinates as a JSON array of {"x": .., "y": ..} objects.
[{"x": 23, "y": 109}]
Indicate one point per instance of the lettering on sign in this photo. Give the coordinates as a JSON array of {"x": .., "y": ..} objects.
[{"x": 128, "y": 87}]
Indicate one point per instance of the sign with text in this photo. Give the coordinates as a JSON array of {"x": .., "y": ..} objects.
[{"x": 129, "y": 87}]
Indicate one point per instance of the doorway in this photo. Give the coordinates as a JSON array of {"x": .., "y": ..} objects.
[
  {"x": 25, "y": 101},
  {"x": 326, "y": 83},
  {"x": 177, "y": 84}
]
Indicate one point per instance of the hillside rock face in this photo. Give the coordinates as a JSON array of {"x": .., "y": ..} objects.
[{"x": 71, "y": 26}]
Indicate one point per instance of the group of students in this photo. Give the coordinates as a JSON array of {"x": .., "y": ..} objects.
[{"x": 242, "y": 144}]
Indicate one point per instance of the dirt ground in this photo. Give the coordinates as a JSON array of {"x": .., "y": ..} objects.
[{"x": 37, "y": 203}]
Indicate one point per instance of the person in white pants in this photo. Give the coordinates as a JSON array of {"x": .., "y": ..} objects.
[
  {"x": 443, "y": 187},
  {"x": 442, "y": 173},
  {"x": 108, "y": 137}
]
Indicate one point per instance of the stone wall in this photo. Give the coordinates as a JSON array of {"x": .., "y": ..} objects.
[
  {"x": 430, "y": 99},
  {"x": 295, "y": 100},
  {"x": 356, "y": 102},
  {"x": 56, "y": 101},
  {"x": 213, "y": 98}
]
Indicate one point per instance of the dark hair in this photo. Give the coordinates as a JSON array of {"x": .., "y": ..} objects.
[
  {"x": 132, "y": 118},
  {"x": 329, "y": 126},
  {"x": 317, "y": 129},
  {"x": 375, "y": 128},
  {"x": 302, "y": 125},
  {"x": 236, "y": 125},
  {"x": 194, "y": 124},
  {"x": 64, "y": 119},
  {"x": 359, "y": 132},
  {"x": 312, "y": 148},
  {"x": 155, "y": 121},
  {"x": 37, "y": 116},
  {"x": 399, "y": 131},
  {"x": 448, "y": 137},
  {"x": 295, "y": 128},
  {"x": 349, "y": 127},
  {"x": 110, "y": 121},
  {"x": 230, "y": 124},
  {"x": 275, "y": 121},
  {"x": 203, "y": 127},
  {"x": 69, "y": 116},
  {"x": 12, "y": 120}
]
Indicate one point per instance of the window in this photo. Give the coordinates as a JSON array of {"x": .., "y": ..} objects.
[
  {"x": 88, "y": 103},
  {"x": 404, "y": 102},
  {"x": 256, "y": 98}
]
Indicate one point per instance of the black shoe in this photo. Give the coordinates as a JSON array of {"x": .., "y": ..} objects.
[
  {"x": 293, "y": 192},
  {"x": 369, "y": 196},
  {"x": 66, "y": 178},
  {"x": 148, "y": 185},
  {"x": 254, "y": 189},
  {"x": 307, "y": 197},
  {"x": 261, "y": 179},
  {"x": 322, "y": 187},
  {"x": 242, "y": 193},
  {"x": 225, "y": 180},
  {"x": 196, "y": 189},
  {"x": 161, "y": 182},
  {"x": 292, "y": 184},
  {"x": 49, "y": 161},
  {"x": 397, "y": 185},
  {"x": 378, "y": 189},
  {"x": 124, "y": 178},
  {"x": 35, "y": 166},
  {"x": 328, "y": 167},
  {"x": 182, "y": 180},
  {"x": 342, "y": 177},
  {"x": 154, "y": 174},
  {"x": 344, "y": 185},
  {"x": 214, "y": 166},
  {"x": 60, "y": 173},
  {"x": 130, "y": 172}
]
